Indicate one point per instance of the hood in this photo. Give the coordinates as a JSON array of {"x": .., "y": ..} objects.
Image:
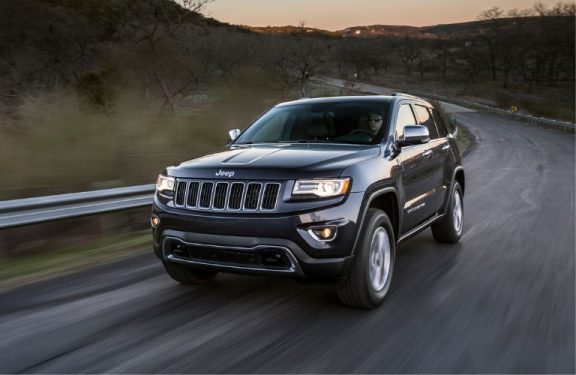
[{"x": 277, "y": 161}]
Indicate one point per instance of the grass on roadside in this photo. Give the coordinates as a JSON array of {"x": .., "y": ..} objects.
[
  {"x": 25, "y": 269},
  {"x": 463, "y": 140},
  {"x": 463, "y": 136},
  {"x": 55, "y": 144}
]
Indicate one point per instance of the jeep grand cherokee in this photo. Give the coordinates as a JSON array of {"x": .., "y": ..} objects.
[{"x": 317, "y": 189}]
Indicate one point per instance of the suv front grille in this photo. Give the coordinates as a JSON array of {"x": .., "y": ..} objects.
[{"x": 229, "y": 196}]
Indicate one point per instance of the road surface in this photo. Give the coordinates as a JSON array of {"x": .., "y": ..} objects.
[{"x": 501, "y": 301}]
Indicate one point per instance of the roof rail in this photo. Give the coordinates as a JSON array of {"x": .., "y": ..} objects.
[{"x": 406, "y": 95}]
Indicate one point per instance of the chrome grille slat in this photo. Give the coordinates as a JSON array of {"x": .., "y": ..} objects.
[
  {"x": 252, "y": 197},
  {"x": 206, "y": 195},
  {"x": 180, "y": 193},
  {"x": 231, "y": 196},
  {"x": 270, "y": 196},
  {"x": 220, "y": 194},
  {"x": 192, "y": 197},
  {"x": 236, "y": 195}
]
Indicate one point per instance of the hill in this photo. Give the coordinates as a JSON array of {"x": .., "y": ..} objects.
[{"x": 444, "y": 31}]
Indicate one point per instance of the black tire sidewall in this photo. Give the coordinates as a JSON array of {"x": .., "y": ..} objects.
[
  {"x": 450, "y": 213},
  {"x": 376, "y": 219},
  {"x": 444, "y": 230},
  {"x": 458, "y": 189}
]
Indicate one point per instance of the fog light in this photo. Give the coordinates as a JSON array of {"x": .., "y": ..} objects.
[
  {"x": 323, "y": 233},
  {"x": 154, "y": 221}
]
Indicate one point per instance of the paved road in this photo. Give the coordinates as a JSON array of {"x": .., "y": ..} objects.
[{"x": 502, "y": 301}]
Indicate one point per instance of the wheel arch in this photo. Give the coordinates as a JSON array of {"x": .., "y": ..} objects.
[
  {"x": 459, "y": 176},
  {"x": 387, "y": 200}
]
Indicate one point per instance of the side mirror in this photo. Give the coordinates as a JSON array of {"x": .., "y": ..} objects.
[
  {"x": 415, "y": 135},
  {"x": 234, "y": 134}
]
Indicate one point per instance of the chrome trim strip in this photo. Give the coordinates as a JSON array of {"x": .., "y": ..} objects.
[
  {"x": 260, "y": 197},
  {"x": 186, "y": 193},
  {"x": 243, "y": 199},
  {"x": 166, "y": 196},
  {"x": 227, "y": 195},
  {"x": 314, "y": 236},
  {"x": 212, "y": 195},
  {"x": 420, "y": 227},
  {"x": 292, "y": 269}
]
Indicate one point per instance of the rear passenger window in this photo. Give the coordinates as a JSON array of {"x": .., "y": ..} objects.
[
  {"x": 442, "y": 129},
  {"x": 405, "y": 117},
  {"x": 426, "y": 119}
]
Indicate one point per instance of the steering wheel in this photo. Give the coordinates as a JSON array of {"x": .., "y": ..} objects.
[{"x": 362, "y": 131}]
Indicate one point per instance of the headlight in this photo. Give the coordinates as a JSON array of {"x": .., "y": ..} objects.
[
  {"x": 321, "y": 188},
  {"x": 164, "y": 183}
]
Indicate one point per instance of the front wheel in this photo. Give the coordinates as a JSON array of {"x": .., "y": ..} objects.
[
  {"x": 188, "y": 276},
  {"x": 370, "y": 274},
  {"x": 449, "y": 228}
]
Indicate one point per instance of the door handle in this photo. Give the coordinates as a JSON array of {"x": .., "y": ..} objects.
[
  {"x": 427, "y": 153},
  {"x": 445, "y": 147}
]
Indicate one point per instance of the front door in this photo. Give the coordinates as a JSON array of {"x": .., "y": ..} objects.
[{"x": 418, "y": 174}]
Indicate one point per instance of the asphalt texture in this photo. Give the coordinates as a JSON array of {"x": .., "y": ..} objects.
[{"x": 500, "y": 301}]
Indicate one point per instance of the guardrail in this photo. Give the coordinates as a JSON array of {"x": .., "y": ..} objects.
[{"x": 28, "y": 211}]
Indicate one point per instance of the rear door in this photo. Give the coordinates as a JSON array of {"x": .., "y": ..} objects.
[
  {"x": 446, "y": 154},
  {"x": 440, "y": 151}
]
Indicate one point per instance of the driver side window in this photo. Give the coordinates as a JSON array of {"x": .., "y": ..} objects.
[{"x": 405, "y": 117}]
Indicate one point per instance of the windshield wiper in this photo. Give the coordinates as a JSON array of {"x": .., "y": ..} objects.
[{"x": 307, "y": 141}]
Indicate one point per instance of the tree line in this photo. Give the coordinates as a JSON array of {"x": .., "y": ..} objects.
[{"x": 168, "y": 50}]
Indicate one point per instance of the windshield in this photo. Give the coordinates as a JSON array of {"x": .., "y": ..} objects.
[{"x": 333, "y": 122}]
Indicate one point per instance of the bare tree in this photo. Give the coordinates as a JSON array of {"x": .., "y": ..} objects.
[
  {"x": 409, "y": 53},
  {"x": 162, "y": 35},
  {"x": 359, "y": 55},
  {"x": 152, "y": 21},
  {"x": 467, "y": 60},
  {"x": 491, "y": 35},
  {"x": 299, "y": 59}
]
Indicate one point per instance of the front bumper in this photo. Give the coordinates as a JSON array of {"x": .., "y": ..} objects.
[{"x": 244, "y": 243}]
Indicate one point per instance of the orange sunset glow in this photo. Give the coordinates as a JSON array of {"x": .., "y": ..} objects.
[{"x": 339, "y": 14}]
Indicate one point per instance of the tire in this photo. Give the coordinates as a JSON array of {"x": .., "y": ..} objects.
[
  {"x": 449, "y": 228},
  {"x": 365, "y": 287},
  {"x": 188, "y": 276}
]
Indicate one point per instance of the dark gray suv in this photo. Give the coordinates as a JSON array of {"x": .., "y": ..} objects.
[{"x": 316, "y": 189}]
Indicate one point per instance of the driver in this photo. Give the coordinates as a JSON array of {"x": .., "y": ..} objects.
[{"x": 374, "y": 123}]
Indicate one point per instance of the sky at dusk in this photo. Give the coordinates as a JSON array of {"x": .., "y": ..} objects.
[{"x": 339, "y": 14}]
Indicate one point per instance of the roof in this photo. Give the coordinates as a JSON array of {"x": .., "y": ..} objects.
[
  {"x": 351, "y": 99},
  {"x": 339, "y": 99}
]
